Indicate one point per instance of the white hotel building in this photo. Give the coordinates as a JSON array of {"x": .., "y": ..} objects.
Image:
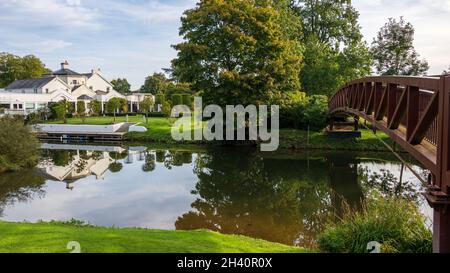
[{"x": 26, "y": 96}]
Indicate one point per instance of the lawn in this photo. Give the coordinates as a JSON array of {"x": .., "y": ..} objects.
[
  {"x": 159, "y": 131},
  {"x": 53, "y": 238}
]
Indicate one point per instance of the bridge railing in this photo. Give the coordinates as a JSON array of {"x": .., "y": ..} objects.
[{"x": 414, "y": 111}]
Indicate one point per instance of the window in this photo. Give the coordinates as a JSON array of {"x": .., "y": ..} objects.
[
  {"x": 91, "y": 87},
  {"x": 74, "y": 82},
  {"x": 108, "y": 89},
  {"x": 46, "y": 90},
  {"x": 29, "y": 106},
  {"x": 35, "y": 90}
]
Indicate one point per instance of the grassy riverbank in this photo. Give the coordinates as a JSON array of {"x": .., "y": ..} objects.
[
  {"x": 159, "y": 132},
  {"x": 53, "y": 238}
]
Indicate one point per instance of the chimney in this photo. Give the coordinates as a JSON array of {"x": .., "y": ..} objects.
[
  {"x": 65, "y": 65},
  {"x": 96, "y": 70}
]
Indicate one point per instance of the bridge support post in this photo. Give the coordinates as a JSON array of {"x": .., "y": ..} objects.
[{"x": 441, "y": 229}]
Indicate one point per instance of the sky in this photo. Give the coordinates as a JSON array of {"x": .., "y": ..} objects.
[{"x": 132, "y": 38}]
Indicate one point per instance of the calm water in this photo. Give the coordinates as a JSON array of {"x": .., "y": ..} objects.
[{"x": 285, "y": 199}]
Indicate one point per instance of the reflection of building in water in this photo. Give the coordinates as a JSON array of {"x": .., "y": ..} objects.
[
  {"x": 90, "y": 163},
  {"x": 79, "y": 161}
]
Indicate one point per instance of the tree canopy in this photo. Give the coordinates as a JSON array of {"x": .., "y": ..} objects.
[
  {"x": 155, "y": 84},
  {"x": 121, "y": 85},
  {"x": 14, "y": 68},
  {"x": 335, "y": 52},
  {"x": 239, "y": 51},
  {"x": 394, "y": 52}
]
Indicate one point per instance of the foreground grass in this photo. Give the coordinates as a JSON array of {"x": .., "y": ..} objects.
[
  {"x": 53, "y": 238},
  {"x": 159, "y": 131}
]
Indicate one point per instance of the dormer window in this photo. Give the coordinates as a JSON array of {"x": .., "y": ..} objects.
[
  {"x": 74, "y": 82},
  {"x": 108, "y": 89},
  {"x": 91, "y": 87}
]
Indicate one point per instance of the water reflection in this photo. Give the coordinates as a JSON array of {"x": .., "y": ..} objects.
[{"x": 286, "y": 199}]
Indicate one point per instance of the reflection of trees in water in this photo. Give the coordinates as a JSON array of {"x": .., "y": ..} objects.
[
  {"x": 59, "y": 157},
  {"x": 285, "y": 201},
  {"x": 20, "y": 187},
  {"x": 150, "y": 162},
  {"x": 388, "y": 184}
]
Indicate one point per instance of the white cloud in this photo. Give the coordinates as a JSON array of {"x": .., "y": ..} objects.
[{"x": 47, "y": 13}]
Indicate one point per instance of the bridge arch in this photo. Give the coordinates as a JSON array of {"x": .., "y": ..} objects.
[{"x": 415, "y": 113}]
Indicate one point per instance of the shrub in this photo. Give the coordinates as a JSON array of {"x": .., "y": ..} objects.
[
  {"x": 396, "y": 224},
  {"x": 18, "y": 145},
  {"x": 316, "y": 112},
  {"x": 187, "y": 100},
  {"x": 177, "y": 99},
  {"x": 159, "y": 99}
]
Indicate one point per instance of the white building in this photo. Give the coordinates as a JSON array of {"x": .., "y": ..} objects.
[{"x": 26, "y": 96}]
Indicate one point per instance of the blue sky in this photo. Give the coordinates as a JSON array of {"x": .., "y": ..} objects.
[{"x": 132, "y": 38}]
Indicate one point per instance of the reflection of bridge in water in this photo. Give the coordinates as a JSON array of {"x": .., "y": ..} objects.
[{"x": 415, "y": 113}]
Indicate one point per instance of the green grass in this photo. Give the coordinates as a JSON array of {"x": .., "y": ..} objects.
[
  {"x": 53, "y": 238},
  {"x": 159, "y": 131}
]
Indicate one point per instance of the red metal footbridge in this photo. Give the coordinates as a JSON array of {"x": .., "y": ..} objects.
[{"x": 415, "y": 113}]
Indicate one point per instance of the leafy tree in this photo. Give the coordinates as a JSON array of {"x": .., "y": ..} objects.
[
  {"x": 61, "y": 109},
  {"x": 150, "y": 163},
  {"x": 146, "y": 106},
  {"x": 114, "y": 104},
  {"x": 155, "y": 84},
  {"x": 121, "y": 85},
  {"x": 394, "y": 52},
  {"x": 81, "y": 110},
  {"x": 238, "y": 51},
  {"x": 18, "y": 145},
  {"x": 186, "y": 100},
  {"x": 159, "y": 99},
  {"x": 94, "y": 107},
  {"x": 166, "y": 108},
  {"x": 13, "y": 68},
  {"x": 334, "y": 50}
]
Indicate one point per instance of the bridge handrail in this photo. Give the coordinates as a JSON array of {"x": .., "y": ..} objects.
[{"x": 413, "y": 111}]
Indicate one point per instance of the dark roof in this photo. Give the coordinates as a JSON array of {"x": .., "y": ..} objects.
[
  {"x": 28, "y": 84},
  {"x": 87, "y": 74},
  {"x": 100, "y": 92},
  {"x": 64, "y": 72},
  {"x": 85, "y": 97}
]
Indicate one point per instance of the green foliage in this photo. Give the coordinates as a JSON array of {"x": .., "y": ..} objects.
[
  {"x": 334, "y": 49},
  {"x": 159, "y": 99},
  {"x": 146, "y": 105},
  {"x": 397, "y": 224},
  {"x": 13, "y": 68},
  {"x": 121, "y": 85},
  {"x": 155, "y": 84},
  {"x": 166, "y": 108},
  {"x": 186, "y": 100},
  {"x": 18, "y": 145},
  {"x": 81, "y": 110},
  {"x": 238, "y": 51},
  {"x": 60, "y": 110},
  {"x": 115, "y": 104},
  {"x": 94, "y": 108},
  {"x": 115, "y": 167},
  {"x": 394, "y": 52},
  {"x": 177, "y": 88},
  {"x": 177, "y": 99},
  {"x": 300, "y": 111}
]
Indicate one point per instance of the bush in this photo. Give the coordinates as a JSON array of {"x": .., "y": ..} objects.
[
  {"x": 159, "y": 99},
  {"x": 316, "y": 112},
  {"x": 396, "y": 224},
  {"x": 18, "y": 145},
  {"x": 187, "y": 100},
  {"x": 177, "y": 99}
]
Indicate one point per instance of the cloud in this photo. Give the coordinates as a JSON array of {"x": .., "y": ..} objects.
[{"x": 52, "y": 14}]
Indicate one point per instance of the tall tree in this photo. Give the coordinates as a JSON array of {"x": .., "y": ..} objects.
[
  {"x": 238, "y": 51},
  {"x": 121, "y": 85},
  {"x": 146, "y": 105},
  {"x": 155, "y": 84},
  {"x": 335, "y": 52},
  {"x": 394, "y": 52},
  {"x": 14, "y": 67}
]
